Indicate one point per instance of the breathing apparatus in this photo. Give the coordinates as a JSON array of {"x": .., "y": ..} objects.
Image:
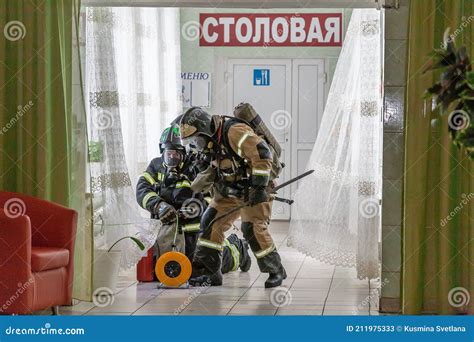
[{"x": 173, "y": 153}]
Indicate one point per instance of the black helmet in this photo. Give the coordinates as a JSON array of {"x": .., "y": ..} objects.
[
  {"x": 172, "y": 151},
  {"x": 196, "y": 128},
  {"x": 176, "y": 121},
  {"x": 171, "y": 137}
]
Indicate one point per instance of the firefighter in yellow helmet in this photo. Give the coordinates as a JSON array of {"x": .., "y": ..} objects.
[{"x": 241, "y": 163}]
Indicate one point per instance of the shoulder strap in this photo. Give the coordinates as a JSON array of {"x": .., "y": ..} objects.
[
  {"x": 228, "y": 123},
  {"x": 236, "y": 120}
]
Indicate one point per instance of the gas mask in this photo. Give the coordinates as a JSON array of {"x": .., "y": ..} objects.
[
  {"x": 172, "y": 158},
  {"x": 197, "y": 143}
]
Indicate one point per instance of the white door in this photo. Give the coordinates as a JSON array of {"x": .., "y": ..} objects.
[
  {"x": 292, "y": 114},
  {"x": 307, "y": 109}
]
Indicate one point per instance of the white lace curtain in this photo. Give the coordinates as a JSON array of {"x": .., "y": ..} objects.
[
  {"x": 336, "y": 216},
  {"x": 148, "y": 64},
  {"x": 132, "y": 70}
]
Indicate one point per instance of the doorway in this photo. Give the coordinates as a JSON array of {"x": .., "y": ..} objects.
[
  {"x": 289, "y": 92},
  {"x": 289, "y": 95}
]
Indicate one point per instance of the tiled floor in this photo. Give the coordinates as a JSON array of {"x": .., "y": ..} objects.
[{"x": 312, "y": 288}]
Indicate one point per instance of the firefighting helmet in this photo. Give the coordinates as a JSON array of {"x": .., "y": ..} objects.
[
  {"x": 172, "y": 151},
  {"x": 197, "y": 128},
  {"x": 176, "y": 121},
  {"x": 170, "y": 137}
]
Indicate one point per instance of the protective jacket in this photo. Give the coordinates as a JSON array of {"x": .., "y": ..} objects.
[
  {"x": 243, "y": 159},
  {"x": 157, "y": 184}
]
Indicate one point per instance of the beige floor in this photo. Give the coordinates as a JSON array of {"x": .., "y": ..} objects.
[{"x": 312, "y": 288}]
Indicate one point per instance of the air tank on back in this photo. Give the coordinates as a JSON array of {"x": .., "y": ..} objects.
[{"x": 245, "y": 111}]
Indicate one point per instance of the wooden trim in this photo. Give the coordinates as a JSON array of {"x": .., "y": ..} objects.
[{"x": 235, "y": 3}]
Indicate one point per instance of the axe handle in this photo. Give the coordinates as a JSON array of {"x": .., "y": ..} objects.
[
  {"x": 284, "y": 200},
  {"x": 282, "y": 185}
]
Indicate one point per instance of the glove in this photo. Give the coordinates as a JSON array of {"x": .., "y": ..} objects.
[
  {"x": 166, "y": 212},
  {"x": 258, "y": 195},
  {"x": 202, "y": 165}
]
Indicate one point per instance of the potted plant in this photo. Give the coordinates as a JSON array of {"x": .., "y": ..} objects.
[
  {"x": 454, "y": 92},
  {"x": 107, "y": 265}
]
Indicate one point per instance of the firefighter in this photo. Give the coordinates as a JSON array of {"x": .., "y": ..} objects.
[
  {"x": 241, "y": 164},
  {"x": 164, "y": 188}
]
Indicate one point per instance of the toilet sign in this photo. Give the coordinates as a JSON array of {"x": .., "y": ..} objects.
[{"x": 261, "y": 77}]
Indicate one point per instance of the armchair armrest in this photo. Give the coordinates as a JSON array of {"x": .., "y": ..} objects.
[{"x": 16, "y": 290}]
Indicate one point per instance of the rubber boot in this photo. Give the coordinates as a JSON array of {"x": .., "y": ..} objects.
[
  {"x": 275, "y": 279},
  {"x": 245, "y": 260},
  {"x": 244, "y": 257},
  {"x": 271, "y": 264},
  {"x": 206, "y": 267}
]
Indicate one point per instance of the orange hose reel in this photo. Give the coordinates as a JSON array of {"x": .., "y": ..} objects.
[{"x": 173, "y": 269}]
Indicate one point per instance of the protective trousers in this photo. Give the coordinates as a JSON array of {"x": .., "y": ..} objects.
[
  {"x": 232, "y": 250},
  {"x": 255, "y": 222}
]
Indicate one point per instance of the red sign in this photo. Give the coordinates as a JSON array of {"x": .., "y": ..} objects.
[{"x": 275, "y": 29}]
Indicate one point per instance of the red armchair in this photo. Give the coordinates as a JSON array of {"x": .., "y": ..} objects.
[{"x": 36, "y": 254}]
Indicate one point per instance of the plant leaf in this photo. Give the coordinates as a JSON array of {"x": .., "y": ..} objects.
[
  {"x": 434, "y": 89},
  {"x": 470, "y": 79},
  {"x": 454, "y": 89},
  {"x": 446, "y": 36},
  {"x": 138, "y": 242}
]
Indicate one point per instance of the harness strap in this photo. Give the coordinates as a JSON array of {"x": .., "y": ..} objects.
[{"x": 219, "y": 133}]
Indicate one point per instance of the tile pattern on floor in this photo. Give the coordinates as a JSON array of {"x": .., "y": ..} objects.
[{"x": 312, "y": 288}]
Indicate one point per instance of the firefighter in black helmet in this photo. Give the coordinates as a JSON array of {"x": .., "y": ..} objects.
[
  {"x": 164, "y": 189},
  {"x": 242, "y": 162}
]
